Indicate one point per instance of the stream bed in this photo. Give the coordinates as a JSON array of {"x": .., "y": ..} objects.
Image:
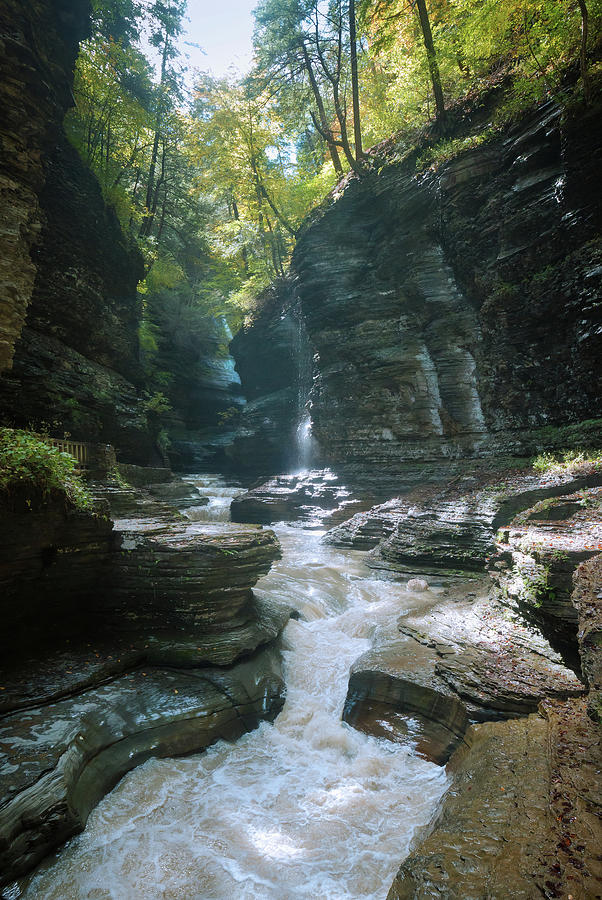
[{"x": 305, "y": 807}]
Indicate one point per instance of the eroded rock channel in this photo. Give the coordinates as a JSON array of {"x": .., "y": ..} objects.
[{"x": 388, "y": 676}]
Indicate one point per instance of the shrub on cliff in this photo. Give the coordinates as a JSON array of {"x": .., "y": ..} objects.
[{"x": 28, "y": 463}]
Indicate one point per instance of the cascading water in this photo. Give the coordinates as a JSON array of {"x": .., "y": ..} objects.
[
  {"x": 305, "y": 445},
  {"x": 303, "y": 808}
]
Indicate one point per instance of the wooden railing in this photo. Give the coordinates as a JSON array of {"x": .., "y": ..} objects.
[{"x": 85, "y": 454}]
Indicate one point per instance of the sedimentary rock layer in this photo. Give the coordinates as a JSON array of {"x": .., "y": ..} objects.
[
  {"x": 521, "y": 818},
  {"x": 54, "y": 559},
  {"x": 316, "y": 497},
  {"x": 191, "y": 592},
  {"x": 38, "y": 45},
  {"x": 111, "y": 643},
  {"x": 455, "y": 311},
  {"x": 536, "y": 556},
  {"x": 59, "y": 760},
  {"x": 274, "y": 360},
  {"x": 454, "y": 529},
  {"x": 67, "y": 272},
  {"x": 459, "y": 659}
]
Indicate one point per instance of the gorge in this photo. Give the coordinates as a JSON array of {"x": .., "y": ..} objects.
[{"x": 323, "y": 617}]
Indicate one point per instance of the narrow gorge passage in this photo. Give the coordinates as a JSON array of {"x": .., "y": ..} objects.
[{"x": 306, "y": 807}]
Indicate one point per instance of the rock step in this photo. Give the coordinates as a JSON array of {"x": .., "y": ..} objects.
[{"x": 521, "y": 818}]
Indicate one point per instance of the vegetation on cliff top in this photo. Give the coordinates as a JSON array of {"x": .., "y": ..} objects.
[
  {"x": 28, "y": 462},
  {"x": 214, "y": 176}
]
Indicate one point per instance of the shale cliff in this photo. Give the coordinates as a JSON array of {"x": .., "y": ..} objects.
[
  {"x": 454, "y": 310},
  {"x": 69, "y": 313},
  {"x": 35, "y": 68}
]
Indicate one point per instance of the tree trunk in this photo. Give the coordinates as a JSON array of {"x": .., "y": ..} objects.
[
  {"x": 150, "y": 186},
  {"x": 355, "y": 92},
  {"x": 236, "y": 214},
  {"x": 431, "y": 56},
  {"x": 324, "y": 131}
]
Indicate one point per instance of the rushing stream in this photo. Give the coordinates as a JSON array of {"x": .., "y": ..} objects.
[{"x": 306, "y": 807}]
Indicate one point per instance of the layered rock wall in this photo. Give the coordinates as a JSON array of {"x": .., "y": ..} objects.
[
  {"x": 455, "y": 311},
  {"x": 69, "y": 275},
  {"x": 120, "y": 645},
  {"x": 274, "y": 359},
  {"x": 38, "y": 45}
]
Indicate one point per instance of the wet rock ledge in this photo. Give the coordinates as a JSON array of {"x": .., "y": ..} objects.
[
  {"x": 522, "y": 817},
  {"x": 499, "y": 675},
  {"x": 160, "y": 650},
  {"x": 315, "y": 498}
]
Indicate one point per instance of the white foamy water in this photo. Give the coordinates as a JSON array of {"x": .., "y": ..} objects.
[
  {"x": 220, "y": 496},
  {"x": 306, "y": 807}
]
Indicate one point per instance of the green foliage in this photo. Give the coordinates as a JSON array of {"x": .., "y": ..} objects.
[
  {"x": 163, "y": 442},
  {"x": 229, "y": 417},
  {"x": 536, "y": 584},
  {"x": 27, "y": 461},
  {"x": 534, "y": 41},
  {"x": 157, "y": 403},
  {"x": 444, "y": 150},
  {"x": 566, "y": 460}
]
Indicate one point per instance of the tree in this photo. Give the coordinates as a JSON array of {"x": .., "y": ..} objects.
[
  {"x": 583, "y": 50},
  {"x": 357, "y": 131},
  {"x": 167, "y": 26},
  {"x": 304, "y": 47},
  {"x": 243, "y": 155},
  {"x": 431, "y": 55},
  {"x": 387, "y": 15}
]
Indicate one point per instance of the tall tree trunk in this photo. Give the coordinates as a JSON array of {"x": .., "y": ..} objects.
[
  {"x": 324, "y": 130},
  {"x": 431, "y": 56},
  {"x": 134, "y": 192},
  {"x": 236, "y": 214},
  {"x": 583, "y": 54},
  {"x": 355, "y": 91},
  {"x": 162, "y": 219},
  {"x": 108, "y": 153},
  {"x": 150, "y": 185}
]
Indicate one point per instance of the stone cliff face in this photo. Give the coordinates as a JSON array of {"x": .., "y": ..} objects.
[
  {"x": 455, "y": 312},
  {"x": 122, "y": 643},
  {"x": 205, "y": 395},
  {"x": 38, "y": 45},
  {"x": 69, "y": 313}
]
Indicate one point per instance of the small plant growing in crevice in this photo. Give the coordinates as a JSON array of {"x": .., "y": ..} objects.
[
  {"x": 565, "y": 461},
  {"x": 536, "y": 585}
]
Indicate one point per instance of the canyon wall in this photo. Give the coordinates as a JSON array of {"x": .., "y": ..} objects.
[
  {"x": 38, "y": 45},
  {"x": 69, "y": 312},
  {"x": 454, "y": 310}
]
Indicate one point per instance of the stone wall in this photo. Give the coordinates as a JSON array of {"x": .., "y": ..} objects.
[
  {"x": 67, "y": 272},
  {"x": 38, "y": 45},
  {"x": 454, "y": 310},
  {"x": 274, "y": 359}
]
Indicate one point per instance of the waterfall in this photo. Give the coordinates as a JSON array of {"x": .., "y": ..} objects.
[{"x": 305, "y": 448}]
